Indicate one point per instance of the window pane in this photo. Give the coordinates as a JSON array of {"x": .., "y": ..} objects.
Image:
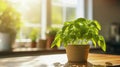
[
  {"x": 56, "y": 14},
  {"x": 31, "y": 16},
  {"x": 27, "y": 31},
  {"x": 30, "y": 9},
  {"x": 70, "y": 13},
  {"x": 63, "y": 10}
]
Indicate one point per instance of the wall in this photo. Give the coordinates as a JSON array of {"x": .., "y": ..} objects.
[{"x": 106, "y": 12}]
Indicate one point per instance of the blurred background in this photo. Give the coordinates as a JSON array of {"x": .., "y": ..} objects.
[{"x": 39, "y": 17}]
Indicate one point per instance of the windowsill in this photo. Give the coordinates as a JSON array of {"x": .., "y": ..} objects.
[
  {"x": 30, "y": 52},
  {"x": 36, "y": 51}
]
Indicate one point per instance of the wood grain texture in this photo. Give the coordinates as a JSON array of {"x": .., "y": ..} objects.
[{"x": 60, "y": 60}]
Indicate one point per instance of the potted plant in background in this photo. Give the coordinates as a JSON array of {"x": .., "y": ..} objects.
[
  {"x": 10, "y": 23},
  {"x": 34, "y": 34},
  {"x": 42, "y": 43},
  {"x": 50, "y": 35},
  {"x": 75, "y": 36}
]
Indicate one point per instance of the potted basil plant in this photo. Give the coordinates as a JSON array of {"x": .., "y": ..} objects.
[
  {"x": 75, "y": 36},
  {"x": 34, "y": 34},
  {"x": 50, "y": 35}
]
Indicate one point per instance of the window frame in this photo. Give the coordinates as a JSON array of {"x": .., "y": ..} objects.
[{"x": 46, "y": 15}]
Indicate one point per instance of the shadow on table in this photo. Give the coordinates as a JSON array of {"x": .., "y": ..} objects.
[
  {"x": 88, "y": 64},
  {"x": 57, "y": 64}
]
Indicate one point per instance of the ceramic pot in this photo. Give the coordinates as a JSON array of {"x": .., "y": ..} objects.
[{"x": 6, "y": 41}]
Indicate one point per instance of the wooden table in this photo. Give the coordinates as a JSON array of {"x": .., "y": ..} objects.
[{"x": 59, "y": 60}]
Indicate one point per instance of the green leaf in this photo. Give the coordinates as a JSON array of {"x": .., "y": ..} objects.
[
  {"x": 77, "y": 26},
  {"x": 66, "y": 23},
  {"x": 56, "y": 40},
  {"x": 101, "y": 43},
  {"x": 58, "y": 43},
  {"x": 97, "y": 24},
  {"x": 94, "y": 42},
  {"x": 64, "y": 28},
  {"x": 80, "y": 20},
  {"x": 53, "y": 43}
]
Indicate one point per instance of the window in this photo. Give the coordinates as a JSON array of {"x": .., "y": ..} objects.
[
  {"x": 31, "y": 16},
  {"x": 63, "y": 10},
  {"x": 35, "y": 12}
]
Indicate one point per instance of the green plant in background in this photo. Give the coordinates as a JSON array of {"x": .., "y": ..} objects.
[
  {"x": 3, "y": 5},
  {"x": 34, "y": 34},
  {"x": 52, "y": 31},
  {"x": 80, "y": 31},
  {"x": 10, "y": 19}
]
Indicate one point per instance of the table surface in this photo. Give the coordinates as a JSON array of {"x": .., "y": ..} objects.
[{"x": 59, "y": 60}]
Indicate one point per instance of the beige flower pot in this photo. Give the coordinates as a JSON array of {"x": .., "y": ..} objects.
[
  {"x": 77, "y": 53},
  {"x": 42, "y": 44}
]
